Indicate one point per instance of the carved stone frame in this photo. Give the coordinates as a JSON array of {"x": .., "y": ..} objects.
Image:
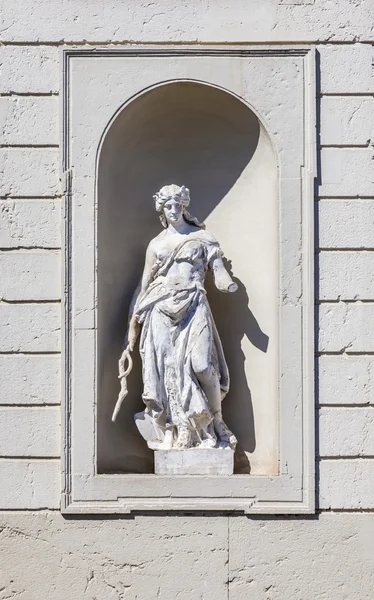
[{"x": 292, "y": 491}]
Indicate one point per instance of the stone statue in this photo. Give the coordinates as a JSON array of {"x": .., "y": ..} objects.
[{"x": 185, "y": 375}]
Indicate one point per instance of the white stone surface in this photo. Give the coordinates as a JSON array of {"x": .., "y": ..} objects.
[
  {"x": 347, "y": 172},
  {"x": 194, "y": 462},
  {"x": 30, "y": 223},
  {"x": 199, "y": 20},
  {"x": 30, "y": 327},
  {"x": 30, "y": 432},
  {"x": 347, "y": 120},
  {"x": 29, "y": 120},
  {"x": 140, "y": 558},
  {"x": 346, "y": 379},
  {"x": 29, "y": 172},
  {"x": 346, "y": 69},
  {"x": 327, "y": 557},
  {"x": 346, "y": 275},
  {"x": 186, "y": 558},
  {"x": 346, "y": 431},
  {"x": 83, "y": 266},
  {"x": 185, "y": 374},
  {"x": 334, "y": 217},
  {"x": 251, "y": 78},
  {"x": 29, "y": 69},
  {"x": 346, "y": 327},
  {"x": 29, "y": 379},
  {"x": 30, "y": 275},
  {"x": 29, "y": 484},
  {"x": 346, "y": 484}
]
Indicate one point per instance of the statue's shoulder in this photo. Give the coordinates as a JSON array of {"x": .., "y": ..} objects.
[
  {"x": 207, "y": 237},
  {"x": 156, "y": 242}
]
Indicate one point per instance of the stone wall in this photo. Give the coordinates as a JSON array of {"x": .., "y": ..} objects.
[{"x": 188, "y": 557}]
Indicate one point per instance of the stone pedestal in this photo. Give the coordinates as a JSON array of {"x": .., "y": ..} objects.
[{"x": 215, "y": 461}]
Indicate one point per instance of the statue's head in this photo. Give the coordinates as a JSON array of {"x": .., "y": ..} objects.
[{"x": 172, "y": 202}]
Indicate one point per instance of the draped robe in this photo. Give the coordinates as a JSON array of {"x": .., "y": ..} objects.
[{"x": 174, "y": 317}]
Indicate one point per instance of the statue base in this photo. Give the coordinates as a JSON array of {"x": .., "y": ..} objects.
[{"x": 195, "y": 461}]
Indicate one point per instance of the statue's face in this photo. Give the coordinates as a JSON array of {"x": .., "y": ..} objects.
[{"x": 173, "y": 210}]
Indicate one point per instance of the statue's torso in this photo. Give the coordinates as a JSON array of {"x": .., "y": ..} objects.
[{"x": 190, "y": 262}]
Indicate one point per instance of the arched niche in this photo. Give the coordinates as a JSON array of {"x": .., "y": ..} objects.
[{"x": 190, "y": 133}]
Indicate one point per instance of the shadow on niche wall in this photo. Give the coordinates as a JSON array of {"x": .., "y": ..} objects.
[
  {"x": 234, "y": 320},
  {"x": 185, "y": 133}
]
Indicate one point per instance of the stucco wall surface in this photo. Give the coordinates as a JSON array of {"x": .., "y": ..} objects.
[
  {"x": 187, "y": 558},
  {"x": 194, "y": 21},
  {"x": 184, "y": 556}
]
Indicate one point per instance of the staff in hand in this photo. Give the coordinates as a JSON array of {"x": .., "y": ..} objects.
[{"x": 123, "y": 374}]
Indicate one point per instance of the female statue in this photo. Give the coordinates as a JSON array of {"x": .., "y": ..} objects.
[{"x": 185, "y": 374}]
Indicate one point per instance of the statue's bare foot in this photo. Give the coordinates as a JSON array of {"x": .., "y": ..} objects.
[
  {"x": 208, "y": 443},
  {"x": 184, "y": 439},
  {"x": 208, "y": 438},
  {"x": 225, "y": 436}
]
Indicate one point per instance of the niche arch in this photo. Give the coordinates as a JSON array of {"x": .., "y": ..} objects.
[{"x": 191, "y": 132}]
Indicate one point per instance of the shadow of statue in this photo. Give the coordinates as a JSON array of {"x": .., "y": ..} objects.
[{"x": 234, "y": 320}]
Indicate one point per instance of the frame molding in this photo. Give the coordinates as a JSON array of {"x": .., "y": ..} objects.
[{"x": 289, "y": 492}]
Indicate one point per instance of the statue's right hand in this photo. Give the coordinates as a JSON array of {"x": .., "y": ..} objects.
[{"x": 125, "y": 357}]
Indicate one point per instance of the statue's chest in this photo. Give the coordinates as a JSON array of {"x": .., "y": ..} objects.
[{"x": 190, "y": 251}]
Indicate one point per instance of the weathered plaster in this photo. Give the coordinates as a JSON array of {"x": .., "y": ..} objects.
[
  {"x": 329, "y": 556},
  {"x": 187, "y": 557}
]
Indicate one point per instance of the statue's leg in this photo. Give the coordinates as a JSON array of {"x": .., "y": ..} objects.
[
  {"x": 225, "y": 436},
  {"x": 211, "y": 387},
  {"x": 209, "y": 381},
  {"x": 204, "y": 370}
]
